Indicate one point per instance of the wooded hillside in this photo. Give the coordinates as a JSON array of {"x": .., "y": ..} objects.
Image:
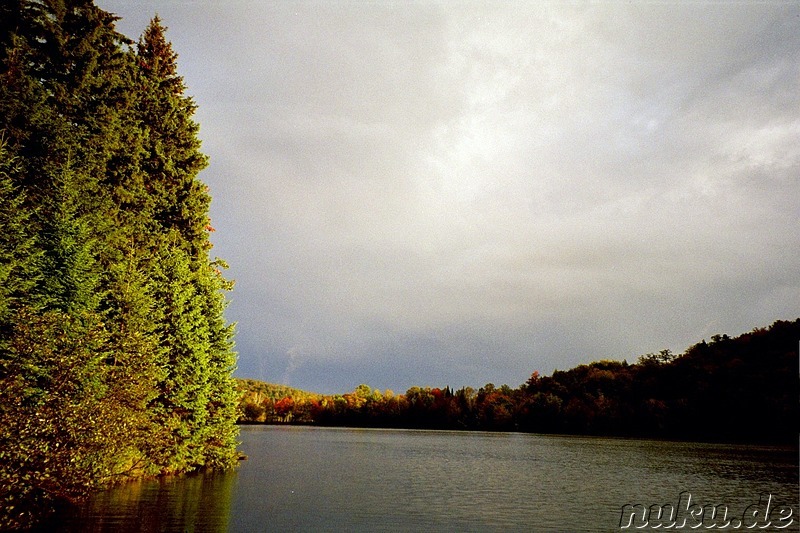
[{"x": 727, "y": 389}]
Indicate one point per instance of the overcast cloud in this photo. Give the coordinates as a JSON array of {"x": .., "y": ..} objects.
[{"x": 456, "y": 193}]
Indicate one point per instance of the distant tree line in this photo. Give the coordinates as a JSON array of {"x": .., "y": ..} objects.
[
  {"x": 728, "y": 389},
  {"x": 257, "y": 401},
  {"x": 115, "y": 358}
]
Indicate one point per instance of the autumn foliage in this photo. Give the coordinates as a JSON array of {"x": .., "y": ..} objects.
[{"x": 731, "y": 389}]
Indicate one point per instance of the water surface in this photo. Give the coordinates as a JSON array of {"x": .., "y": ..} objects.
[{"x": 326, "y": 479}]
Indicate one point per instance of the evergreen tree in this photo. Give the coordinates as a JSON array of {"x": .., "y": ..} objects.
[
  {"x": 115, "y": 358},
  {"x": 180, "y": 407},
  {"x": 18, "y": 251},
  {"x": 54, "y": 429},
  {"x": 220, "y": 432},
  {"x": 173, "y": 157},
  {"x": 198, "y": 398}
]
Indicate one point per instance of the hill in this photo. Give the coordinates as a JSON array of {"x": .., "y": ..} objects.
[
  {"x": 272, "y": 391},
  {"x": 742, "y": 389},
  {"x": 260, "y": 401}
]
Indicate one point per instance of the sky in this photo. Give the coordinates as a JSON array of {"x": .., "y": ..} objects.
[{"x": 459, "y": 193}]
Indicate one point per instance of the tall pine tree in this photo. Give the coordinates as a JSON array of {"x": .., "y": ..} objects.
[
  {"x": 115, "y": 357},
  {"x": 198, "y": 396}
]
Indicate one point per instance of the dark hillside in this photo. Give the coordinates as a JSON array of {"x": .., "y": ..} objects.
[{"x": 742, "y": 389}]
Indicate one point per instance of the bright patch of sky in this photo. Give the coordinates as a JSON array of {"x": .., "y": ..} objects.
[{"x": 456, "y": 193}]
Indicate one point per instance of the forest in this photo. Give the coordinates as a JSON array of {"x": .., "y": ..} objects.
[
  {"x": 742, "y": 389},
  {"x": 115, "y": 359}
]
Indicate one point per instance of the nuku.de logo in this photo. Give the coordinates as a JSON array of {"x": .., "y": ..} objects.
[{"x": 688, "y": 515}]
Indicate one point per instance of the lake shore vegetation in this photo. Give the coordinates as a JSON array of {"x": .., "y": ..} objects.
[
  {"x": 115, "y": 357},
  {"x": 741, "y": 389}
]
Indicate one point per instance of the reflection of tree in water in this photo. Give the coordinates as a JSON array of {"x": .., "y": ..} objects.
[{"x": 197, "y": 502}]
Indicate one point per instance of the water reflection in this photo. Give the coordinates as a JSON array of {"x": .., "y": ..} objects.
[
  {"x": 324, "y": 479},
  {"x": 200, "y": 502}
]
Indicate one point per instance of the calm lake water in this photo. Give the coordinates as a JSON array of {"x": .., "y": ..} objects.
[{"x": 325, "y": 479}]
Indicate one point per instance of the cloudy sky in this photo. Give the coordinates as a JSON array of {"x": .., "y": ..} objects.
[{"x": 457, "y": 193}]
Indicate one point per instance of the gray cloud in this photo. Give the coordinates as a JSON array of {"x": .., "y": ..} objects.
[{"x": 456, "y": 193}]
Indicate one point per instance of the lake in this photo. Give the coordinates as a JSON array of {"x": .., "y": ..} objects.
[{"x": 341, "y": 479}]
